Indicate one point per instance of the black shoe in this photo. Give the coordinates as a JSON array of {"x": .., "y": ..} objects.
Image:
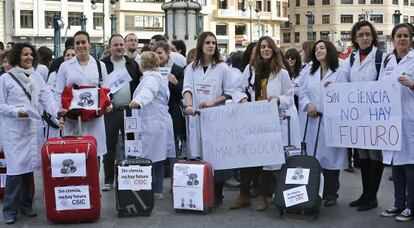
[
  {"x": 366, "y": 206},
  {"x": 350, "y": 169},
  {"x": 217, "y": 202},
  {"x": 330, "y": 203},
  {"x": 28, "y": 213},
  {"x": 357, "y": 202},
  {"x": 10, "y": 221}
]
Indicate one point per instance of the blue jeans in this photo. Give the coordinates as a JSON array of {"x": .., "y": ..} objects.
[
  {"x": 157, "y": 176},
  {"x": 403, "y": 176},
  {"x": 17, "y": 195}
]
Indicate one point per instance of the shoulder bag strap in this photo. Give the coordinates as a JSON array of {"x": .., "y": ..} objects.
[{"x": 21, "y": 86}]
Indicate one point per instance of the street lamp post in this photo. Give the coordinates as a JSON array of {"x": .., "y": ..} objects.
[
  {"x": 57, "y": 25},
  {"x": 309, "y": 15},
  {"x": 397, "y": 15},
  {"x": 94, "y": 6},
  {"x": 249, "y": 3},
  {"x": 113, "y": 23},
  {"x": 83, "y": 22}
]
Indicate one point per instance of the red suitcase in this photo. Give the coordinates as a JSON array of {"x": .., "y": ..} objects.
[
  {"x": 192, "y": 184},
  {"x": 71, "y": 179}
]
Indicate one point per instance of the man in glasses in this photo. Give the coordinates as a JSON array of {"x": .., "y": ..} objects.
[{"x": 131, "y": 43}]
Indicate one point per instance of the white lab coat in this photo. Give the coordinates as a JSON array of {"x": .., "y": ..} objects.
[
  {"x": 22, "y": 137},
  {"x": 332, "y": 158},
  {"x": 205, "y": 86},
  {"x": 282, "y": 86},
  {"x": 362, "y": 72},
  {"x": 299, "y": 80},
  {"x": 43, "y": 71},
  {"x": 51, "y": 83},
  {"x": 178, "y": 59},
  {"x": 152, "y": 94},
  {"x": 70, "y": 72},
  {"x": 391, "y": 73}
]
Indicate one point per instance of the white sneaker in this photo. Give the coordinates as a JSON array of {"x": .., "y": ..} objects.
[
  {"x": 107, "y": 187},
  {"x": 158, "y": 196},
  {"x": 406, "y": 215}
]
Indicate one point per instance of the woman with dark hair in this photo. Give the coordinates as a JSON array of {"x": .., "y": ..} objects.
[
  {"x": 22, "y": 128},
  {"x": 295, "y": 62},
  {"x": 207, "y": 83},
  {"x": 247, "y": 55},
  {"x": 269, "y": 80},
  {"x": 398, "y": 67},
  {"x": 83, "y": 70},
  {"x": 45, "y": 59},
  {"x": 180, "y": 47},
  {"x": 324, "y": 70},
  {"x": 364, "y": 65}
]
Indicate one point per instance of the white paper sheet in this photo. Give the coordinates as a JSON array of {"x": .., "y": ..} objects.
[
  {"x": 72, "y": 198},
  {"x": 295, "y": 196},
  {"x": 188, "y": 198},
  {"x": 188, "y": 175},
  {"x": 86, "y": 98},
  {"x": 117, "y": 79},
  {"x": 68, "y": 165},
  {"x": 297, "y": 176},
  {"x": 134, "y": 178}
]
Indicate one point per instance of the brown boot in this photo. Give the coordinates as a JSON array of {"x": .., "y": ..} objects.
[
  {"x": 261, "y": 203},
  {"x": 241, "y": 201}
]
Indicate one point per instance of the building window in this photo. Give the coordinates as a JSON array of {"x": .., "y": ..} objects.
[
  {"x": 75, "y": 0},
  {"x": 406, "y": 2},
  {"x": 297, "y": 18},
  {"x": 160, "y": 1},
  {"x": 405, "y": 19},
  {"x": 268, "y": 6},
  {"x": 311, "y": 2},
  {"x": 221, "y": 30},
  {"x": 240, "y": 29},
  {"x": 347, "y": 18},
  {"x": 412, "y": 3},
  {"x": 395, "y": 2},
  {"x": 98, "y": 20},
  {"x": 361, "y": 1},
  {"x": 297, "y": 2},
  {"x": 326, "y": 2},
  {"x": 347, "y": 2},
  {"x": 377, "y": 1},
  {"x": 297, "y": 37},
  {"x": 259, "y": 5},
  {"x": 222, "y": 4},
  {"x": 324, "y": 35},
  {"x": 377, "y": 18},
  {"x": 346, "y": 35},
  {"x": 144, "y": 23},
  {"x": 286, "y": 37},
  {"x": 26, "y": 19},
  {"x": 49, "y": 18},
  {"x": 74, "y": 18},
  {"x": 326, "y": 19},
  {"x": 411, "y": 19}
]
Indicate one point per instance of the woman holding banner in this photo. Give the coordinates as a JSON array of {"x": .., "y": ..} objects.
[
  {"x": 269, "y": 80},
  {"x": 399, "y": 67},
  {"x": 324, "y": 70},
  {"x": 364, "y": 65},
  {"x": 207, "y": 83}
]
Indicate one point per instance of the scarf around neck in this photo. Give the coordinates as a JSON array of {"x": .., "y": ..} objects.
[{"x": 25, "y": 76}]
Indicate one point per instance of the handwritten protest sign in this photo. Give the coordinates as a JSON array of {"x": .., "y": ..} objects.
[
  {"x": 363, "y": 115},
  {"x": 242, "y": 135}
]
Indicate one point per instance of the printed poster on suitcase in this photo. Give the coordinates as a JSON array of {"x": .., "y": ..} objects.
[
  {"x": 295, "y": 196},
  {"x": 188, "y": 186},
  {"x": 134, "y": 178},
  {"x": 72, "y": 198},
  {"x": 68, "y": 164}
]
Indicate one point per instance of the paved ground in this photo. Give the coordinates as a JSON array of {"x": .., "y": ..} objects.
[{"x": 164, "y": 216}]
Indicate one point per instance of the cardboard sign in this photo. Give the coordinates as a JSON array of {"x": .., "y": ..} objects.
[
  {"x": 297, "y": 176},
  {"x": 363, "y": 115},
  {"x": 242, "y": 135},
  {"x": 117, "y": 79},
  {"x": 188, "y": 175},
  {"x": 188, "y": 198},
  {"x": 134, "y": 178},
  {"x": 3, "y": 178},
  {"x": 133, "y": 134},
  {"x": 295, "y": 196},
  {"x": 85, "y": 98},
  {"x": 72, "y": 198},
  {"x": 68, "y": 165}
]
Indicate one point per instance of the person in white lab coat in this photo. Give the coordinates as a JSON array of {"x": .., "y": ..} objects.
[
  {"x": 269, "y": 80},
  {"x": 324, "y": 70},
  {"x": 82, "y": 71},
  {"x": 400, "y": 67},
  {"x": 362, "y": 66},
  {"x": 207, "y": 83},
  {"x": 151, "y": 96},
  {"x": 22, "y": 128}
]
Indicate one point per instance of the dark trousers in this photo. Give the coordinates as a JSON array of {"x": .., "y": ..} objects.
[
  {"x": 158, "y": 176},
  {"x": 331, "y": 184},
  {"x": 114, "y": 122},
  {"x": 247, "y": 175},
  {"x": 17, "y": 195},
  {"x": 403, "y": 186}
]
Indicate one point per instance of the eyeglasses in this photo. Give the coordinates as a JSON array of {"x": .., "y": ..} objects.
[
  {"x": 291, "y": 58},
  {"x": 362, "y": 34},
  {"x": 132, "y": 40}
]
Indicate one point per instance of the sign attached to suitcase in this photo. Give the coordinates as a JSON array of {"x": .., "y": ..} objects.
[
  {"x": 242, "y": 135},
  {"x": 188, "y": 198},
  {"x": 85, "y": 98},
  {"x": 297, "y": 176},
  {"x": 72, "y": 198},
  {"x": 188, "y": 175},
  {"x": 363, "y": 115},
  {"x": 68, "y": 164},
  {"x": 134, "y": 178},
  {"x": 295, "y": 196}
]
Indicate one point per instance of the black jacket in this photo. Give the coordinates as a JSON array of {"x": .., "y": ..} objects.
[
  {"x": 132, "y": 68},
  {"x": 174, "y": 104}
]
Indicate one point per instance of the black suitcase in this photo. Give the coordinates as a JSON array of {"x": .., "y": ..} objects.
[
  {"x": 129, "y": 202},
  {"x": 298, "y": 166}
]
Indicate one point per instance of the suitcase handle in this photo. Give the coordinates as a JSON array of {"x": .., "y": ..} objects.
[
  {"x": 187, "y": 132},
  {"x": 287, "y": 118},
  {"x": 303, "y": 143},
  {"x": 65, "y": 143}
]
